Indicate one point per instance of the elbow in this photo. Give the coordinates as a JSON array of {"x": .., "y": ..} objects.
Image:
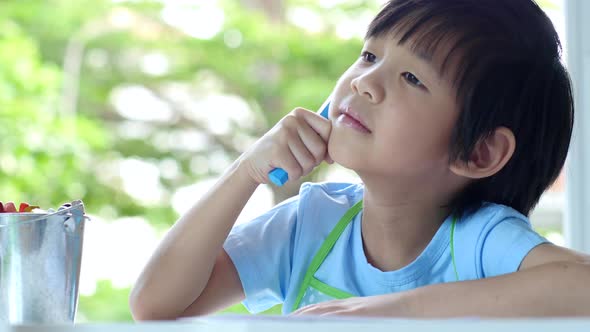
[
  {"x": 138, "y": 308},
  {"x": 145, "y": 308}
]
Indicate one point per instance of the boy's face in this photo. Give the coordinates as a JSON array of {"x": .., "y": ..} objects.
[{"x": 406, "y": 113}]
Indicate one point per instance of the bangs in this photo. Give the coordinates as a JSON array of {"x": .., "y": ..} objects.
[
  {"x": 426, "y": 30},
  {"x": 462, "y": 38},
  {"x": 503, "y": 59}
]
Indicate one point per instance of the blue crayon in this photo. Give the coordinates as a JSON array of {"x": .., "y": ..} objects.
[{"x": 278, "y": 176}]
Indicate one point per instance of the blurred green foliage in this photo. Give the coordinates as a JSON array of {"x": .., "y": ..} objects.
[{"x": 61, "y": 62}]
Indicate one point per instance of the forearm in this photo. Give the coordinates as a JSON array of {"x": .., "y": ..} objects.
[
  {"x": 181, "y": 266},
  {"x": 554, "y": 289}
]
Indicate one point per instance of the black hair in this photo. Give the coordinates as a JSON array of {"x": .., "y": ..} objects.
[{"x": 507, "y": 72}]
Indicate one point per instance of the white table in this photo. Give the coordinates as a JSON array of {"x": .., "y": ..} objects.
[{"x": 291, "y": 324}]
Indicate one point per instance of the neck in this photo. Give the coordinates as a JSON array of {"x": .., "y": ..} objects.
[{"x": 397, "y": 226}]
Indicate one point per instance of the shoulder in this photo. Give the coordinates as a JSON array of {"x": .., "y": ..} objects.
[
  {"x": 331, "y": 189},
  {"x": 328, "y": 199},
  {"x": 479, "y": 225},
  {"x": 502, "y": 237},
  {"x": 321, "y": 205},
  {"x": 490, "y": 214}
]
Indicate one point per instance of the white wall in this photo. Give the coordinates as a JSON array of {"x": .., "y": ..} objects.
[{"x": 577, "y": 213}]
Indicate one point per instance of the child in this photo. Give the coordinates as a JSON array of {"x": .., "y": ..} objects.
[{"x": 456, "y": 117}]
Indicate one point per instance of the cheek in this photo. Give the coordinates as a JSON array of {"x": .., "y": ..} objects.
[
  {"x": 342, "y": 88},
  {"x": 343, "y": 84},
  {"x": 418, "y": 139}
]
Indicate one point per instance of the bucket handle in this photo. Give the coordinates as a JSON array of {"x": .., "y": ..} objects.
[{"x": 74, "y": 213}]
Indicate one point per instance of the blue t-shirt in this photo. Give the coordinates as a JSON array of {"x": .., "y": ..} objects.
[{"x": 272, "y": 252}]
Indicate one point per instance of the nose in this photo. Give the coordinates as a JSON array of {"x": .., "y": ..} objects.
[{"x": 367, "y": 85}]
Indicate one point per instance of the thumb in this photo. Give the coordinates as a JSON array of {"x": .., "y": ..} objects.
[{"x": 319, "y": 124}]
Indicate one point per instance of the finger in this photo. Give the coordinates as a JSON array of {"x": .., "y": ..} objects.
[
  {"x": 314, "y": 312},
  {"x": 312, "y": 309},
  {"x": 313, "y": 141},
  {"x": 318, "y": 123},
  {"x": 289, "y": 164},
  {"x": 284, "y": 158},
  {"x": 337, "y": 313},
  {"x": 281, "y": 156},
  {"x": 301, "y": 153},
  {"x": 302, "y": 310}
]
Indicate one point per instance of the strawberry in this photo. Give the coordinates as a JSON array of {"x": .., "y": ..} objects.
[
  {"x": 1, "y": 207},
  {"x": 9, "y": 207},
  {"x": 30, "y": 208},
  {"x": 22, "y": 207}
]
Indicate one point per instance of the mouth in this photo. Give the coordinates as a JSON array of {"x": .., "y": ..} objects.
[{"x": 353, "y": 120}]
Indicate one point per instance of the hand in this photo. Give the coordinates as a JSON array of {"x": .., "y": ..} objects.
[
  {"x": 389, "y": 305},
  {"x": 298, "y": 143}
]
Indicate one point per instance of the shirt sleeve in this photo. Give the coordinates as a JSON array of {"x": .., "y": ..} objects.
[
  {"x": 262, "y": 252},
  {"x": 506, "y": 244}
]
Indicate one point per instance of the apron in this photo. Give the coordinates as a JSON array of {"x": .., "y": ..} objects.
[{"x": 314, "y": 291}]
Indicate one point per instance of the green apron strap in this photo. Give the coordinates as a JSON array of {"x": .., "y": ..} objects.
[
  {"x": 453, "y": 247},
  {"x": 324, "y": 250},
  {"x": 330, "y": 241}
]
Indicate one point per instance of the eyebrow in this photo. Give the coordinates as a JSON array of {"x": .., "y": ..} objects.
[
  {"x": 427, "y": 59},
  {"x": 422, "y": 56}
]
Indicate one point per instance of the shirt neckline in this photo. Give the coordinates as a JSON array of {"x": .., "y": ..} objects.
[{"x": 411, "y": 272}]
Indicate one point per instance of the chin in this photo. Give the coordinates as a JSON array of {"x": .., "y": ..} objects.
[{"x": 343, "y": 157}]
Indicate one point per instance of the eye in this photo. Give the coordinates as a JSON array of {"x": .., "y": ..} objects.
[
  {"x": 368, "y": 56},
  {"x": 413, "y": 80}
]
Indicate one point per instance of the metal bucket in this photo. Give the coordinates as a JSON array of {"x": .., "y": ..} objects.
[{"x": 40, "y": 256}]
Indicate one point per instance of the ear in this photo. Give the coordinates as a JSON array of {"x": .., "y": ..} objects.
[{"x": 489, "y": 155}]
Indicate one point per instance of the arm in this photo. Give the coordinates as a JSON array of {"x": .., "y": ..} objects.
[
  {"x": 190, "y": 273},
  {"x": 542, "y": 287},
  {"x": 552, "y": 281},
  {"x": 182, "y": 265}
]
